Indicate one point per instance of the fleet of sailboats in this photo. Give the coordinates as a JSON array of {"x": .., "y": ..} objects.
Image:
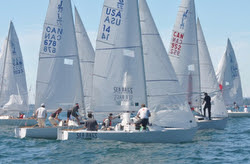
[
  {"x": 129, "y": 67},
  {"x": 119, "y": 66}
]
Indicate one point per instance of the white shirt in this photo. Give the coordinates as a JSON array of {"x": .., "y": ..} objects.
[
  {"x": 245, "y": 109},
  {"x": 41, "y": 112},
  {"x": 143, "y": 113}
]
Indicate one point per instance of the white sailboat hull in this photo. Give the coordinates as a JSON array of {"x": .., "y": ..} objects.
[
  {"x": 166, "y": 135},
  {"x": 44, "y": 133},
  {"x": 215, "y": 123},
  {"x": 238, "y": 114},
  {"x": 29, "y": 132},
  {"x": 17, "y": 122}
]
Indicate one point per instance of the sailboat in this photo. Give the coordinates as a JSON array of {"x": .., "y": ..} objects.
[
  {"x": 209, "y": 84},
  {"x": 228, "y": 76},
  {"x": 13, "y": 87},
  {"x": 184, "y": 55},
  {"x": 120, "y": 84},
  {"x": 59, "y": 81}
]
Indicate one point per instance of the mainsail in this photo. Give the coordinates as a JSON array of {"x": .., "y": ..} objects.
[
  {"x": 169, "y": 108},
  {"x": 13, "y": 87},
  {"x": 228, "y": 76},
  {"x": 209, "y": 81},
  {"x": 119, "y": 80},
  {"x": 87, "y": 58},
  {"x": 183, "y": 52},
  {"x": 59, "y": 78}
]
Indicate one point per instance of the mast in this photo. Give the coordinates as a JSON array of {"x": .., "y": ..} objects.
[
  {"x": 86, "y": 59},
  {"x": 142, "y": 56},
  {"x": 5, "y": 56},
  {"x": 81, "y": 82}
]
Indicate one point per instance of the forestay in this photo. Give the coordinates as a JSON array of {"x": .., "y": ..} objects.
[
  {"x": 183, "y": 52},
  {"x": 59, "y": 78},
  {"x": 87, "y": 57},
  {"x": 168, "y": 107},
  {"x": 209, "y": 81},
  {"x": 13, "y": 87},
  {"x": 228, "y": 76},
  {"x": 119, "y": 82}
]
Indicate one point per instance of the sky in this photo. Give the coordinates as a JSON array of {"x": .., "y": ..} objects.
[{"x": 220, "y": 20}]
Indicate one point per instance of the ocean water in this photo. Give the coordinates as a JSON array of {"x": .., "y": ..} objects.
[{"x": 209, "y": 147}]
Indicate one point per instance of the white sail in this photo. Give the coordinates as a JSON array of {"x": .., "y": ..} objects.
[
  {"x": 168, "y": 107},
  {"x": 59, "y": 78},
  {"x": 13, "y": 87},
  {"x": 87, "y": 58},
  {"x": 183, "y": 52},
  {"x": 119, "y": 80},
  {"x": 2, "y": 60},
  {"x": 228, "y": 76},
  {"x": 209, "y": 81}
]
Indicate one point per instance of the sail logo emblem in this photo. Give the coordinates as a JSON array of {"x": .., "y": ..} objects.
[
  {"x": 176, "y": 43},
  {"x": 59, "y": 13},
  {"x": 234, "y": 68},
  {"x": 184, "y": 17},
  {"x": 234, "y": 71},
  {"x": 120, "y": 4},
  {"x": 112, "y": 19},
  {"x": 13, "y": 48}
]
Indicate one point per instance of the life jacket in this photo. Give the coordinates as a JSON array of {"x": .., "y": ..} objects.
[{"x": 21, "y": 116}]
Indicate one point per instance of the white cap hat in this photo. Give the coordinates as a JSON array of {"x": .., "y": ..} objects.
[{"x": 43, "y": 105}]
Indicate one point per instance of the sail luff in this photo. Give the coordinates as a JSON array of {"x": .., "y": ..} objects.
[
  {"x": 82, "y": 104},
  {"x": 4, "y": 61},
  {"x": 86, "y": 59},
  {"x": 142, "y": 57}
]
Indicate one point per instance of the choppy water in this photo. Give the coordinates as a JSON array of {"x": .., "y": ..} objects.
[{"x": 231, "y": 145}]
